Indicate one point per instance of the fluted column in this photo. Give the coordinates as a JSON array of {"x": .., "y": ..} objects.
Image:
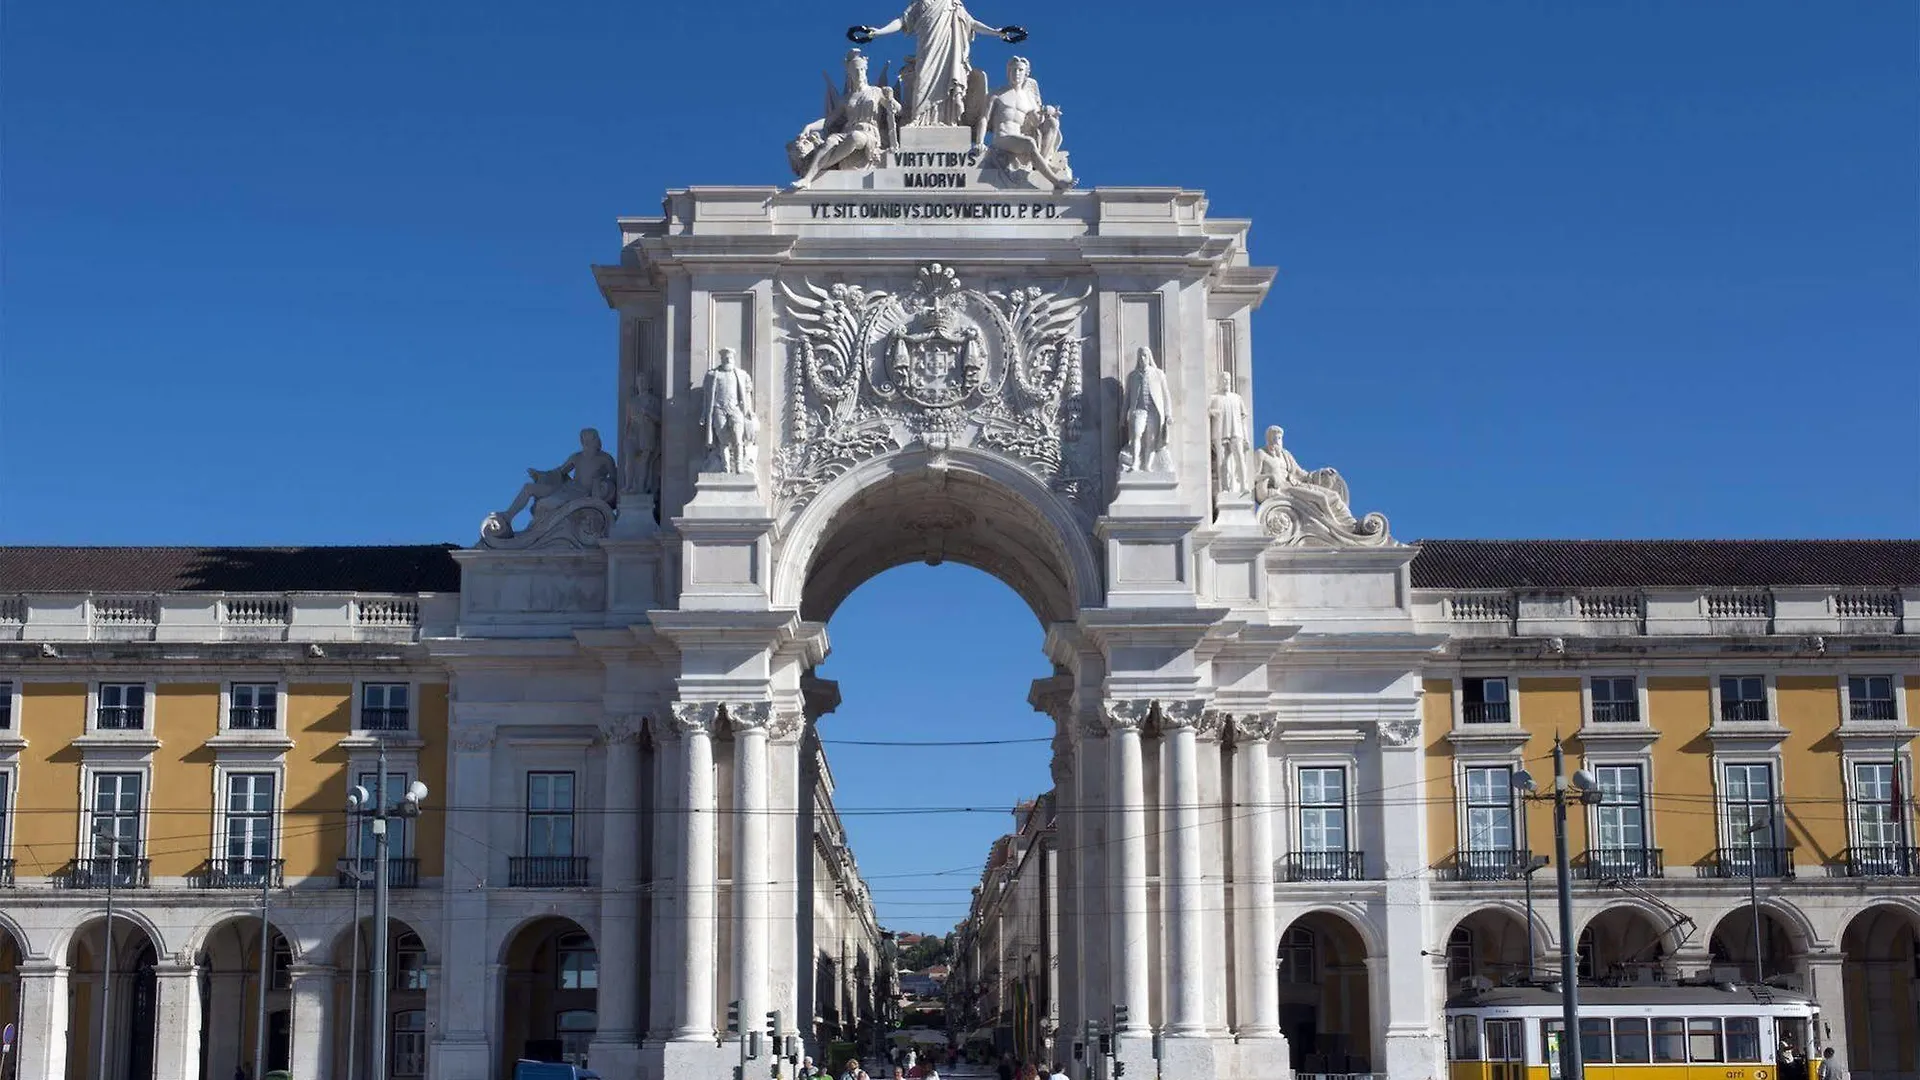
[
  {"x": 42, "y": 1042},
  {"x": 1185, "y": 967},
  {"x": 615, "y": 1050},
  {"x": 1256, "y": 937},
  {"x": 695, "y": 721},
  {"x": 1125, "y": 718},
  {"x": 751, "y": 878}
]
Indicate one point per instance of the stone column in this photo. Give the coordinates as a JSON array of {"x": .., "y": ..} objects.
[
  {"x": 176, "y": 1050},
  {"x": 1825, "y": 973},
  {"x": 1256, "y": 937},
  {"x": 1409, "y": 1036},
  {"x": 42, "y": 1044},
  {"x": 312, "y": 1002},
  {"x": 751, "y": 919},
  {"x": 226, "y": 998},
  {"x": 695, "y": 720},
  {"x": 1186, "y": 953},
  {"x": 469, "y": 1008},
  {"x": 615, "y": 1050},
  {"x": 1129, "y": 879}
]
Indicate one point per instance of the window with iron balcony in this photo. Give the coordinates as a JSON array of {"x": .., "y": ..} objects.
[
  {"x": 1743, "y": 699},
  {"x": 1484, "y": 701},
  {"x": 6, "y": 705},
  {"x": 253, "y": 707},
  {"x": 1870, "y": 698},
  {"x": 1616, "y": 701},
  {"x": 122, "y": 707},
  {"x": 385, "y": 707}
]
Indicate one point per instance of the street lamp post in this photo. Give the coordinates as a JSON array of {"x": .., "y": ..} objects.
[
  {"x": 106, "y": 964},
  {"x": 1753, "y": 896},
  {"x": 377, "y": 809},
  {"x": 1580, "y": 788}
]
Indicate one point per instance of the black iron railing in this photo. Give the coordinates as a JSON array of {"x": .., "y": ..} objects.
[
  {"x": 1739, "y": 862},
  {"x": 1484, "y": 712},
  {"x": 242, "y": 873},
  {"x": 1324, "y": 866},
  {"x": 6, "y": 873},
  {"x": 124, "y": 872},
  {"x": 1498, "y": 864},
  {"x": 1613, "y": 864},
  {"x": 401, "y": 873},
  {"x": 121, "y": 718},
  {"x": 1616, "y": 712},
  {"x": 547, "y": 872},
  {"x": 383, "y": 719},
  {"x": 1883, "y": 860},
  {"x": 1743, "y": 712},
  {"x": 1871, "y": 709},
  {"x": 252, "y": 718}
]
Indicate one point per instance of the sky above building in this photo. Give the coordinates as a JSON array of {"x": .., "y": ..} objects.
[{"x": 282, "y": 274}]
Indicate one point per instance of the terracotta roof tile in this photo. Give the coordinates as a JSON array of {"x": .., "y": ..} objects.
[
  {"x": 1577, "y": 564},
  {"x": 393, "y": 569}
]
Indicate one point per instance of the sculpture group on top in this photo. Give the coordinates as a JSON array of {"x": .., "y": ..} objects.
[
  {"x": 937, "y": 86},
  {"x": 1302, "y": 507},
  {"x": 572, "y": 503}
]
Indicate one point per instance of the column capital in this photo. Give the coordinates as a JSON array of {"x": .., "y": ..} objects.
[
  {"x": 311, "y": 971},
  {"x": 1125, "y": 714},
  {"x": 173, "y": 969},
  {"x": 623, "y": 730},
  {"x": 41, "y": 969},
  {"x": 694, "y": 717},
  {"x": 1248, "y": 727},
  {"x": 1400, "y": 733},
  {"x": 1180, "y": 714}
]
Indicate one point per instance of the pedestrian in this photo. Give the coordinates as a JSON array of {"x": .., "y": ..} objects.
[
  {"x": 1005, "y": 1071},
  {"x": 1059, "y": 1071},
  {"x": 1829, "y": 1068},
  {"x": 854, "y": 1071}
]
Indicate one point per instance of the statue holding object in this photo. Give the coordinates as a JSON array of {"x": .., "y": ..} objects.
[
  {"x": 943, "y": 74},
  {"x": 1026, "y": 130},
  {"x": 856, "y": 131},
  {"x": 732, "y": 430},
  {"x": 1149, "y": 417},
  {"x": 588, "y": 473}
]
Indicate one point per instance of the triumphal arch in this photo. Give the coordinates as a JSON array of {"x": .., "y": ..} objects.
[{"x": 936, "y": 342}]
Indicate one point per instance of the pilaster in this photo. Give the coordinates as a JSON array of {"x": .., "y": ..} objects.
[
  {"x": 470, "y": 999},
  {"x": 616, "y": 1042},
  {"x": 42, "y": 1042},
  {"x": 312, "y": 1051},
  {"x": 1410, "y": 1044},
  {"x": 1256, "y": 1013}
]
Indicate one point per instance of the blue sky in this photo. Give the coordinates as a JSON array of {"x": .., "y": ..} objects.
[{"x": 318, "y": 273}]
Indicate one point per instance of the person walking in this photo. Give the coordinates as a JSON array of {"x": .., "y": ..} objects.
[
  {"x": 854, "y": 1071},
  {"x": 1830, "y": 1066}
]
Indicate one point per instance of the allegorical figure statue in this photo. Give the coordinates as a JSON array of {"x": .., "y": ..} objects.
[
  {"x": 1148, "y": 417},
  {"x": 857, "y": 127},
  {"x": 942, "y": 32},
  {"x": 728, "y": 417},
  {"x": 1276, "y": 471},
  {"x": 1229, "y": 432},
  {"x": 588, "y": 472},
  {"x": 1026, "y": 130},
  {"x": 643, "y": 434}
]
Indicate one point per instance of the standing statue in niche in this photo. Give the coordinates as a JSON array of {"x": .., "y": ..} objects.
[
  {"x": 589, "y": 472},
  {"x": 943, "y": 76},
  {"x": 1026, "y": 130},
  {"x": 856, "y": 130},
  {"x": 1148, "y": 417},
  {"x": 728, "y": 417},
  {"x": 1231, "y": 433},
  {"x": 643, "y": 434}
]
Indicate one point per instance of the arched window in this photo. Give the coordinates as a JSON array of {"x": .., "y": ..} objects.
[
  {"x": 282, "y": 963},
  {"x": 408, "y": 1056},
  {"x": 1460, "y": 957},
  {"x": 1299, "y": 956},
  {"x": 409, "y": 962},
  {"x": 579, "y": 965},
  {"x": 575, "y": 1027},
  {"x": 1583, "y": 955}
]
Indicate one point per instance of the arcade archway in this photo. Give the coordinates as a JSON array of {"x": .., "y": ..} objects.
[
  {"x": 407, "y": 985},
  {"x": 1326, "y": 995},
  {"x": 1880, "y": 976},
  {"x": 1493, "y": 944},
  {"x": 1620, "y": 942},
  {"x": 550, "y": 1006},
  {"x": 230, "y": 989},
  {"x": 115, "y": 989},
  {"x": 1782, "y": 943}
]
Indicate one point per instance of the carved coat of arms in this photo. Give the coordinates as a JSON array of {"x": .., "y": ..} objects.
[{"x": 873, "y": 370}]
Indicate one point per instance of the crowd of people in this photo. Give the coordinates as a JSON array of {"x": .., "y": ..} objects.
[{"x": 910, "y": 1065}]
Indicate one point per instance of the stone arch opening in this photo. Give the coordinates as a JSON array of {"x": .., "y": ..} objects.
[
  {"x": 1619, "y": 943},
  {"x": 1783, "y": 942},
  {"x": 1880, "y": 981},
  {"x": 408, "y": 974},
  {"x": 1325, "y": 994},
  {"x": 1492, "y": 943},
  {"x": 112, "y": 986},
  {"x": 230, "y": 986},
  {"x": 12, "y": 952},
  {"x": 550, "y": 993}
]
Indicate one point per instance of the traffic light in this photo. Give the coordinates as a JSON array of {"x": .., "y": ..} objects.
[
  {"x": 1159, "y": 1046},
  {"x": 1119, "y": 1017},
  {"x": 1079, "y": 1051},
  {"x": 773, "y": 1024},
  {"x": 753, "y": 1044},
  {"x": 733, "y": 1018},
  {"x": 1119, "y": 1069},
  {"x": 1106, "y": 1046}
]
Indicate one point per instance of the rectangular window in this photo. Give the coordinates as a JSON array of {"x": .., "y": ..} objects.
[
  {"x": 6, "y": 705},
  {"x": 253, "y": 707},
  {"x": 1630, "y": 1040},
  {"x": 1669, "y": 1040},
  {"x": 399, "y": 836},
  {"x": 1484, "y": 701},
  {"x": 549, "y": 814},
  {"x": 1616, "y": 701},
  {"x": 1466, "y": 1038},
  {"x": 249, "y": 823},
  {"x": 1596, "y": 1040},
  {"x": 1748, "y": 797},
  {"x": 123, "y": 707},
  {"x": 1323, "y": 809},
  {"x": 116, "y": 815},
  {"x": 409, "y": 1040},
  {"x": 383, "y": 707},
  {"x": 1703, "y": 1039},
  {"x": 1743, "y": 1038},
  {"x": 1743, "y": 698},
  {"x": 1550, "y": 1045},
  {"x": 1490, "y": 809},
  {"x": 5, "y": 790},
  {"x": 1870, "y": 697},
  {"x": 1622, "y": 814}
]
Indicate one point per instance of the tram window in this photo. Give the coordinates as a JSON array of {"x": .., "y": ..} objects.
[
  {"x": 1596, "y": 1041},
  {"x": 1497, "y": 1041},
  {"x": 1743, "y": 1038},
  {"x": 1550, "y": 1041},
  {"x": 1630, "y": 1041},
  {"x": 1703, "y": 1039},
  {"x": 1669, "y": 1039},
  {"x": 1466, "y": 1038}
]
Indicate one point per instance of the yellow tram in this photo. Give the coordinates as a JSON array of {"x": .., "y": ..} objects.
[{"x": 1703, "y": 1031}]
